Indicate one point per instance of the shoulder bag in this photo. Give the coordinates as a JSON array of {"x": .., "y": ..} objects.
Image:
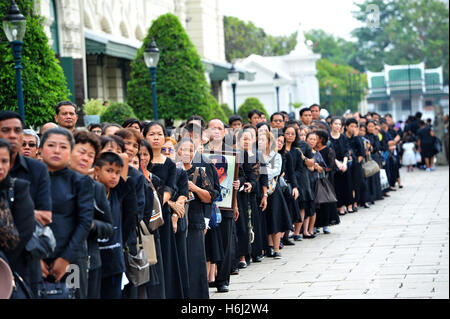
[
  {"x": 156, "y": 220},
  {"x": 137, "y": 267},
  {"x": 324, "y": 192},
  {"x": 370, "y": 167},
  {"x": 148, "y": 241}
]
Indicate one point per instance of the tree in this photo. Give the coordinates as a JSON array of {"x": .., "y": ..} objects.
[
  {"x": 251, "y": 103},
  {"x": 117, "y": 112},
  {"x": 44, "y": 83},
  {"x": 226, "y": 109},
  {"x": 409, "y": 31},
  {"x": 243, "y": 39},
  {"x": 182, "y": 89},
  {"x": 344, "y": 95},
  {"x": 334, "y": 49}
]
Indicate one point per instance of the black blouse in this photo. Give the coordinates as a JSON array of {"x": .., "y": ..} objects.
[
  {"x": 341, "y": 147},
  {"x": 167, "y": 174}
]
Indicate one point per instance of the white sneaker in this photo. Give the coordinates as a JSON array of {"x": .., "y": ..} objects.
[{"x": 428, "y": 170}]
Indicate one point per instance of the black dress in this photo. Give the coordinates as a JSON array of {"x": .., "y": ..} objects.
[
  {"x": 180, "y": 236},
  {"x": 342, "y": 181},
  {"x": 356, "y": 172},
  {"x": 213, "y": 242},
  {"x": 196, "y": 254},
  {"x": 327, "y": 214},
  {"x": 172, "y": 272},
  {"x": 374, "y": 181},
  {"x": 257, "y": 215},
  {"x": 277, "y": 213},
  {"x": 289, "y": 176},
  {"x": 306, "y": 197}
]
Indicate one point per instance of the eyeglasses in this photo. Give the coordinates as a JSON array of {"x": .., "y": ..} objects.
[
  {"x": 30, "y": 144},
  {"x": 97, "y": 131},
  {"x": 167, "y": 150}
]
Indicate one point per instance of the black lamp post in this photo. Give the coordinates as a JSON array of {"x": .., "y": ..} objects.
[
  {"x": 151, "y": 57},
  {"x": 276, "y": 82},
  {"x": 233, "y": 77},
  {"x": 14, "y": 26},
  {"x": 328, "y": 93}
]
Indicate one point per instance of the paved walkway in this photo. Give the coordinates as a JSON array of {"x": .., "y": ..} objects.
[{"x": 399, "y": 248}]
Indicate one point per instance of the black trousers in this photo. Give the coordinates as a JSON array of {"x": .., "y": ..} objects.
[
  {"x": 224, "y": 266},
  {"x": 111, "y": 287},
  {"x": 94, "y": 283}
]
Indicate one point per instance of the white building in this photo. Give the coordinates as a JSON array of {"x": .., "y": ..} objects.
[
  {"x": 298, "y": 82},
  {"x": 95, "y": 40}
]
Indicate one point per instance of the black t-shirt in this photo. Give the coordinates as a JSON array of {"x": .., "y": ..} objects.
[{"x": 424, "y": 135}]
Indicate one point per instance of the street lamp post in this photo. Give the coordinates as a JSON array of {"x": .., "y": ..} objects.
[
  {"x": 14, "y": 26},
  {"x": 328, "y": 93},
  {"x": 151, "y": 57},
  {"x": 233, "y": 77},
  {"x": 276, "y": 82}
]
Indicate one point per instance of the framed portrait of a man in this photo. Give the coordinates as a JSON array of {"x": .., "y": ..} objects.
[{"x": 227, "y": 167}]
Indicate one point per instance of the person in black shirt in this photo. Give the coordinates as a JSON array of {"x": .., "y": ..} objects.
[
  {"x": 72, "y": 201},
  {"x": 33, "y": 171},
  {"x": 21, "y": 208},
  {"x": 357, "y": 154},
  {"x": 425, "y": 144},
  {"x": 84, "y": 153}
]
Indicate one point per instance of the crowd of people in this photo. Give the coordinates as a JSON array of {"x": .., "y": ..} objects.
[{"x": 94, "y": 188}]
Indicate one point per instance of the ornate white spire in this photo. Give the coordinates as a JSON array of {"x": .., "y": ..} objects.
[{"x": 302, "y": 48}]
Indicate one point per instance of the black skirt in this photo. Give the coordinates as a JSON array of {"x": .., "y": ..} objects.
[
  {"x": 343, "y": 187},
  {"x": 213, "y": 245},
  {"x": 327, "y": 215},
  {"x": 309, "y": 207},
  {"x": 155, "y": 287},
  {"x": 257, "y": 217},
  {"x": 242, "y": 231},
  {"x": 172, "y": 271},
  {"x": 293, "y": 207},
  {"x": 196, "y": 256},
  {"x": 277, "y": 215}
]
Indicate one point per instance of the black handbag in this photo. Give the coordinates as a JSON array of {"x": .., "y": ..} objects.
[
  {"x": 49, "y": 289},
  {"x": 324, "y": 192}
]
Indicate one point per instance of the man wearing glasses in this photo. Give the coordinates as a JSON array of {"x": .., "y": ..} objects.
[
  {"x": 30, "y": 144},
  {"x": 277, "y": 122}
]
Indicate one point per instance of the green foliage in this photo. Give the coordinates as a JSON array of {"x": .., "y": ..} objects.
[
  {"x": 243, "y": 39},
  {"x": 226, "y": 109},
  {"x": 410, "y": 31},
  {"x": 182, "y": 89},
  {"x": 43, "y": 80},
  {"x": 251, "y": 103},
  {"x": 334, "y": 49},
  {"x": 93, "y": 107},
  {"x": 216, "y": 111},
  {"x": 117, "y": 112},
  {"x": 344, "y": 95},
  {"x": 297, "y": 105}
]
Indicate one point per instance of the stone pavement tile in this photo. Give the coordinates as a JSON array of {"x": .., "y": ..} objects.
[
  {"x": 419, "y": 278},
  {"x": 414, "y": 293},
  {"x": 332, "y": 276}
]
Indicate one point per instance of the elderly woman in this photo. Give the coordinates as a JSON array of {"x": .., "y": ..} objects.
[{"x": 30, "y": 144}]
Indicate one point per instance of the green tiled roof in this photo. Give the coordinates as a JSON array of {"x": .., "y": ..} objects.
[
  {"x": 404, "y": 75},
  {"x": 378, "y": 82}
]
